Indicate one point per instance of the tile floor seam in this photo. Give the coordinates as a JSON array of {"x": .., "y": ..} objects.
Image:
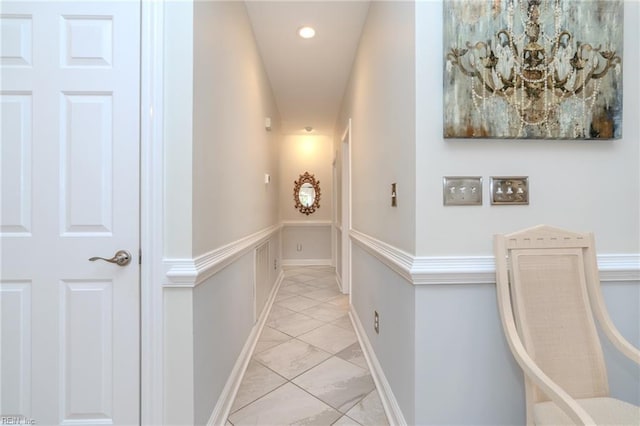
[
  {"x": 303, "y": 389},
  {"x": 344, "y": 413},
  {"x": 325, "y": 289},
  {"x": 260, "y": 397},
  {"x": 310, "y": 368}
]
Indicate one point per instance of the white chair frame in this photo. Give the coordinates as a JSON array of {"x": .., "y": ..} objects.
[{"x": 544, "y": 237}]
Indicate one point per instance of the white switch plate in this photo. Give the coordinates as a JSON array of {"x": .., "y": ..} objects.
[{"x": 462, "y": 190}]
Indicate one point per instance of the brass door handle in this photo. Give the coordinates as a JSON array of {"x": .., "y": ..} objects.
[{"x": 121, "y": 258}]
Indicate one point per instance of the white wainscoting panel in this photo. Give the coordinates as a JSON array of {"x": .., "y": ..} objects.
[
  {"x": 261, "y": 278},
  {"x": 306, "y": 243}
]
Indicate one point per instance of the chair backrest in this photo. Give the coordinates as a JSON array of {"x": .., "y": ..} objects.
[{"x": 549, "y": 271}]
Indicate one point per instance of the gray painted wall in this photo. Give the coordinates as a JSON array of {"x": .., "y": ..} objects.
[
  {"x": 314, "y": 242},
  {"x": 222, "y": 319},
  {"x": 465, "y": 373},
  {"x": 232, "y": 150},
  {"x": 380, "y": 99},
  {"x": 376, "y": 288}
]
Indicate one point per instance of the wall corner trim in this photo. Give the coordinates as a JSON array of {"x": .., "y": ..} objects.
[
  {"x": 191, "y": 272},
  {"x": 430, "y": 270}
]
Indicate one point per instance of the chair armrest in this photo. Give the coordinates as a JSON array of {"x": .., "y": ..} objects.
[
  {"x": 564, "y": 401},
  {"x": 602, "y": 314},
  {"x": 610, "y": 329}
]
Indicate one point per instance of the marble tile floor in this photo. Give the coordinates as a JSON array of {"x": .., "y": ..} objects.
[{"x": 308, "y": 367}]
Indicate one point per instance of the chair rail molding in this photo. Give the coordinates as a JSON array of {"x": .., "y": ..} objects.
[
  {"x": 192, "y": 272},
  {"x": 430, "y": 270},
  {"x": 619, "y": 267}
]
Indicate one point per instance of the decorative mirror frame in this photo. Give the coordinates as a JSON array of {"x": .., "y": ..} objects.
[{"x": 306, "y": 178}]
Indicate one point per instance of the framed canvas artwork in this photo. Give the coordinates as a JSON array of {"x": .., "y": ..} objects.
[{"x": 533, "y": 69}]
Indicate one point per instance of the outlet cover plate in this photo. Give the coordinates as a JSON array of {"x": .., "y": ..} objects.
[
  {"x": 509, "y": 190},
  {"x": 462, "y": 190}
]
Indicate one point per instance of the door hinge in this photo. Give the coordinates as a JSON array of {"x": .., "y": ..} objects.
[{"x": 140, "y": 257}]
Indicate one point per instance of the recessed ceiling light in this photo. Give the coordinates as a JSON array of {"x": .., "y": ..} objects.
[
  {"x": 308, "y": 129},
  {"x": 306, "y": 32}
]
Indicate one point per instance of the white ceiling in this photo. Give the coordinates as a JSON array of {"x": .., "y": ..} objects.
[{"x": 308, "y": 77}]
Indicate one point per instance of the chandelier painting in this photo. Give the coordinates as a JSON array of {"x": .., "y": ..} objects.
[{"x": 543, "y": 69}]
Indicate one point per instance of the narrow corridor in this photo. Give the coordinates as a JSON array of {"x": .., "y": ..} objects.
[{"x": 308, "y": 367}]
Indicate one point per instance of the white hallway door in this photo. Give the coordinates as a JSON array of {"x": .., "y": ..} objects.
[{"x": 70, "y": 191}]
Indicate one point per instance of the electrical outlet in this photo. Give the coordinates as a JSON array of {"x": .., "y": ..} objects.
[
  {"x": 376, "y": 322},
  {"x": 275, "y": 264}
]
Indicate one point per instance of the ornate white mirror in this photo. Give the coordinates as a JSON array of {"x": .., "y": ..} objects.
[{"x": 306, "y": 193}]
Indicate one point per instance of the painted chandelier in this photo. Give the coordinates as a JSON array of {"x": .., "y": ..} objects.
[{"x": 535, "y": 72}]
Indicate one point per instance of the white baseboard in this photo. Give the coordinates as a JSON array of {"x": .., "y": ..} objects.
[
  {"x": 223, "y": 407},
  {"x": 389, "y": 402},
  {"x": 306, "y": 262}
]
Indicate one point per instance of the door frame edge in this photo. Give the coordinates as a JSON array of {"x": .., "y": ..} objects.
[{"x": 151, "y": 211}]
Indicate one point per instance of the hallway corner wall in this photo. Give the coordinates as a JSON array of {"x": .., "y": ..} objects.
[
  {"x": 219, "y": 207},
  {"x": 306, "y": 239},
  {"x": 379, "y": 101},
  {"x": 178, "y": 128},
  {"x": 466, "y": 372}
]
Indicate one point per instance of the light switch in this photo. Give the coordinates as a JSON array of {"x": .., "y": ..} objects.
[
  {"x": 509, "y": 190},
  {"x": 394, "y": 195},
  {"x": 462, "y": 190}
]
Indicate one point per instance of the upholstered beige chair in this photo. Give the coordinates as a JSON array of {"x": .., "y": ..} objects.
[{"x": 548, "y": 295}]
